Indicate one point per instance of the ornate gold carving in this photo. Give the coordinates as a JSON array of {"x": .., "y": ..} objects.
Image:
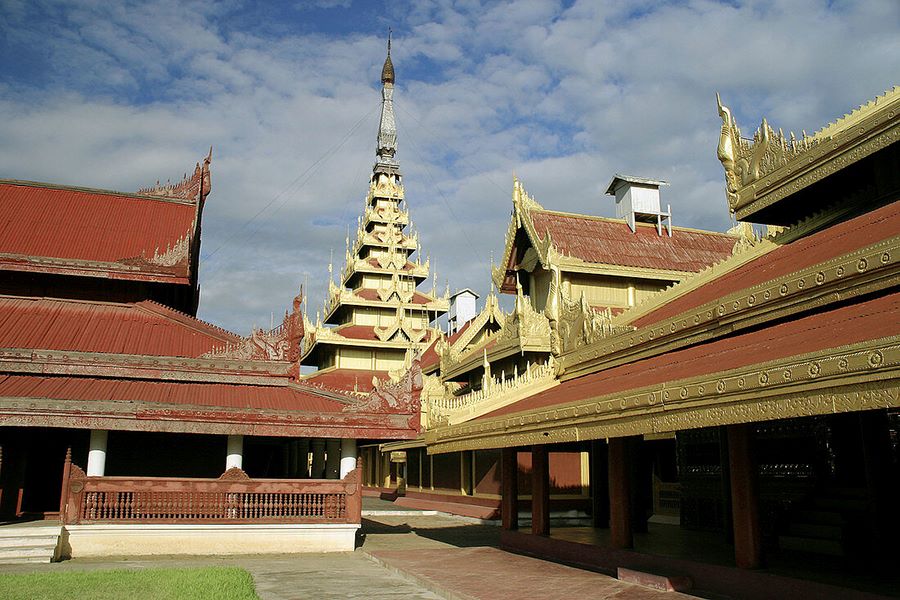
[
  {"x": 194, "y": 188},
  {"x": 834, "y": 380},
  {"x": 449, "y": 409},
  {"x": 281, "y": 343},
  {"x": 772, "y": 166},
  {"x": 771, "y": 300}
]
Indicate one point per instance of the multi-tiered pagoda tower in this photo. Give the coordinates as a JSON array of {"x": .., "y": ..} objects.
[{"x": 375, "y": 315}]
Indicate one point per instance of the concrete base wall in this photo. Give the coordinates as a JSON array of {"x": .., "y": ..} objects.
[{"x": 79, "y": 541}]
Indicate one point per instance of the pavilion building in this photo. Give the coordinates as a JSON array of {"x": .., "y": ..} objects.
[
  {"x": 570, "y": 274},
  {"x": 774, "y": 373},
  {"x": 193, "y": 439}
]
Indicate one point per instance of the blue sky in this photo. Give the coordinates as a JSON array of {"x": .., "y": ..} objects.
[{"x": 565, "y": 94}]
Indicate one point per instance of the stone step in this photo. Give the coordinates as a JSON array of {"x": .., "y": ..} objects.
[
  {"x": 21, "y": 560},
  {"x": 23, "y": 551},
  {"x": 810, "y": 545},
  {"x": 28, "y": 544}
]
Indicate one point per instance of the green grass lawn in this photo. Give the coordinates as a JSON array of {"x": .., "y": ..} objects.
[{"x": 212, "y": 583}]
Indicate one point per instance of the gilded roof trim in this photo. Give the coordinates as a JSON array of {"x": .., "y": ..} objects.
[{"x": 771, "y": 167}]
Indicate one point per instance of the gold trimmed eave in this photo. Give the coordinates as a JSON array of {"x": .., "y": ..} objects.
[
  {"x": 857, "y": 377},
  {"x": 766, "y": 170},
  {"x": 867, "y": 270},
  {"x": 158, "y": 417},
  {"x": 163, "y": 368}
]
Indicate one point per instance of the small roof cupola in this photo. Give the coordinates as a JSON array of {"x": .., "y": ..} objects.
[
  {"x": 462, "y": 309},
  {"x": 637, "y": 199}
]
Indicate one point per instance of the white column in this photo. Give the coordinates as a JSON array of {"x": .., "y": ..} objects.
[
  {"x": 96, "y": 466},
  {"x": 235, "y": 452},
  {"x": 348, "y": 456}
]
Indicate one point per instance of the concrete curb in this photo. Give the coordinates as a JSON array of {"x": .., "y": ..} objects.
[
  {"x": 424, "y": 582},
  {"x": 400, "y": 513}
]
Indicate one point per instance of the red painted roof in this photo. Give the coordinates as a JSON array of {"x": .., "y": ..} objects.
[
  {"x": 372, "y": 294},
  {"x": 430, "y": 358},
  {"x": 611, "y": 242},
  {"x": 166, "y": 392},
  {"x": 121, "y": 231},
  {"x": 409, "y": 266},
  {"x": 145, "y": 328},
  {"x": 821, "y": 246},
  {"x": 873, "y": 319},
  {"x": 345, "y": 379},
  {"x": 357, "y": 332}
]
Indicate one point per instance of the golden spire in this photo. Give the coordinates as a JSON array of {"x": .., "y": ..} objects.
[{"x": 387, "y": 71}]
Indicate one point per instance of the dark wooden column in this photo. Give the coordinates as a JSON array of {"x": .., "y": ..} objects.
[
  {"x": 599, "y": 485},
  {"x": 509, "y": 488},
  {"x": 620, "y": 535},
  {"x": 744, "y": 497},
  {"x": 540, "y": 491}
]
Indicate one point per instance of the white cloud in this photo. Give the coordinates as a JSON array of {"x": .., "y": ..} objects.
[{"x": 120, "y": 95}]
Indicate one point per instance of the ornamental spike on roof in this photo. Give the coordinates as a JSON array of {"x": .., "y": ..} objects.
[{"x": 387, "y": 129}]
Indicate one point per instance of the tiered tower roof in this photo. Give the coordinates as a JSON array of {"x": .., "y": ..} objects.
[{"x": 374, "y": 313}]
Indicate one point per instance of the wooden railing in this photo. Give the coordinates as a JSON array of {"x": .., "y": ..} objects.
[{"x": 233, "y": 498}]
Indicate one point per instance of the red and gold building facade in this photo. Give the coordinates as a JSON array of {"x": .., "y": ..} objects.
[{"x": 775, "y": 371}]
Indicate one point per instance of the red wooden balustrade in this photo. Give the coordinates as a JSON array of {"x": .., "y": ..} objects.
[{"x": 233, "y": 498}]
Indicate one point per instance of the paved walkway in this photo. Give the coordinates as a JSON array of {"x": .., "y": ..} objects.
[{"x": 419, "y": 557}]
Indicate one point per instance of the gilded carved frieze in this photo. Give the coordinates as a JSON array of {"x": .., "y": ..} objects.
[
  {"x": 280, "y": 343},
  {"x": 771, "y": 166},
  {"x": 859, "y": 377},
  {"x": 865, "y": 270}
]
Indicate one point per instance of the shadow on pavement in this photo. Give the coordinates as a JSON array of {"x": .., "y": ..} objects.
[{"x": 460, "y": 535}]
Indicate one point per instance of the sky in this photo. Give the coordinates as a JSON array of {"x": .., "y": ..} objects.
[{"x": 563, "y": 94}]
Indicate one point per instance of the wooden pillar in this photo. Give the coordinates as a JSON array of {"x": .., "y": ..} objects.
[
  {"x": 318, "y": 458},
  {"x": 744, "y": 497},
  {"x": 599, "y": 484},
  {"x": 620, "y": 534},
  {"x": 540, "y": 490},
  {"x": 509, "y": 488},
  {"x": 332, "y": 458}
]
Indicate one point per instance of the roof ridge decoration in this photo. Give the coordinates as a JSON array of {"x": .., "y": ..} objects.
[
  {"x": 281, "y": 343},
  {"x": 772, "y": 166},
  {"x": 387, "y": 128},
  {"x": 746, "y": 160},
  {"x": 156, "y": 306},
  {"x": 194, "y": 188},
  {"x": 173, "y": 255},
  {"x": 491, "y": 313},
  {"x": 523, "y": 204},
  {"x": 396, "y": 397},
  {"x": 858, "y": 113}
]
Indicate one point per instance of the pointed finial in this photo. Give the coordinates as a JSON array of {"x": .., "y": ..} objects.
[{"x": 387, "y": 71}]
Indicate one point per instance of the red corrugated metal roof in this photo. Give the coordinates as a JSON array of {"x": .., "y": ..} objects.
[
  {"x": 819, "y": 247},
  {"x": 430, "y": 358},
  {"x": 145, "y": 328},
  {"x": 46, "y": 221},
  {"x": 611, "y": 242},
  {"x": 873, "y": 319},
  {"x": 166, "y": 392},
  {"x": 409, "y": 266},
  {"x": 345, "y": 379},
  {"x": 357, "y": 332},
  {"x": 372, "y": 294}
]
